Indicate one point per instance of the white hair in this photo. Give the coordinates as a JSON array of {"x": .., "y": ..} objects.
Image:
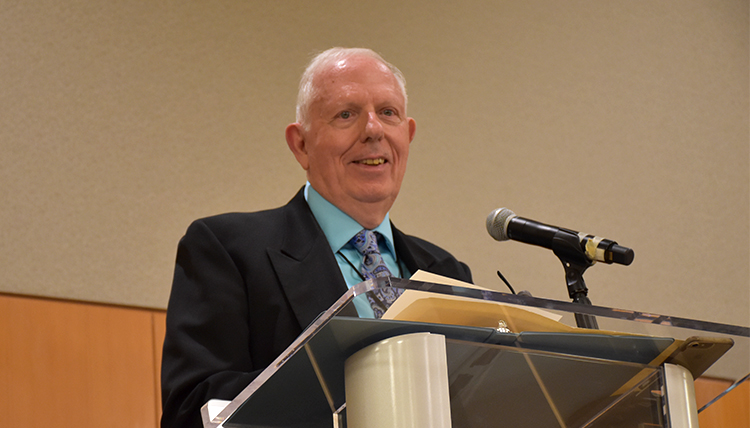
[{"x": 308, "y": 91}]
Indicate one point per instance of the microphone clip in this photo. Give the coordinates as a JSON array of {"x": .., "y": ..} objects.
[{"x": 567, "y": 248}]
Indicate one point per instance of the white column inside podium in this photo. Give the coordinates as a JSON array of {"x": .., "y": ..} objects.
[
  {"x": 683, "y": 411},
  {"x": 399, "y": 382}
]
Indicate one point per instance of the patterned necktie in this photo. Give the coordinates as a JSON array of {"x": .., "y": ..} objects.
[{"x": 373, "y": 266}]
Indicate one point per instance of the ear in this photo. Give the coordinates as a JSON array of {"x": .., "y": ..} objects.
[
  {"x": 412, "y": 128},
  {"x": 295, "y": 139}
]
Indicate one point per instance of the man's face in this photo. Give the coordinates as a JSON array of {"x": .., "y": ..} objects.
[{"x": 356, "y": 144}]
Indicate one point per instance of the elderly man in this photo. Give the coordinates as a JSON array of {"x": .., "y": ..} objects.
[{"x": 247, "y": 284}]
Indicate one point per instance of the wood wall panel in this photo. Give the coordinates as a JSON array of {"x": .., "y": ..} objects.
[
  {"x": 731, "y": 411},
  {"x": 68, "y": 364},
  {"x": 159, "y": 319}
]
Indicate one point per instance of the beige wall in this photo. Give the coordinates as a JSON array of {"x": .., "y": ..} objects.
[{"x": 121, "y": 122}]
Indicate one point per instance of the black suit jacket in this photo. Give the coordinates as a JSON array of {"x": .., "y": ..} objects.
[{"x": 245, "y": 286}]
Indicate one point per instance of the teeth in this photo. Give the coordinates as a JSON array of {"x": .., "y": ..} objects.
[{"x": 377, "y": 161}]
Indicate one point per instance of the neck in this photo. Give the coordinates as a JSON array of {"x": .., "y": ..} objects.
[{"x": 368, "y": 216}]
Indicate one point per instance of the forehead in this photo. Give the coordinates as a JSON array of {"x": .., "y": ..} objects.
[{"x": 356, "y": 76}]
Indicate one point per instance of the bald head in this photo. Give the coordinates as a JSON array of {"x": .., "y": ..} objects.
[{"x": 308, "y": 87}]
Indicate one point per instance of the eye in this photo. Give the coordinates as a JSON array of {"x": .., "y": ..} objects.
[
  {"x": 345, "y": 114},
  {"x": 389, "y": 112}
]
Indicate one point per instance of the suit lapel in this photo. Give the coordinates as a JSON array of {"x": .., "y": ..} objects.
[
  {"x": 413, "y": 256},
  {"x": 305, "y": 266}
]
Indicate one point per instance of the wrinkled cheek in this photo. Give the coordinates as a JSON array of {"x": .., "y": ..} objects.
[{"x": 402, "y": 166}]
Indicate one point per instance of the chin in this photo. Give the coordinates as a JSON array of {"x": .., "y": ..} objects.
[
  {"x": 374, "y": 197},
  {"x": 374, "y": 192}
]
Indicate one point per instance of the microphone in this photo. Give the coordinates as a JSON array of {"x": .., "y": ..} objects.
[{"x": 504, "y": 224}]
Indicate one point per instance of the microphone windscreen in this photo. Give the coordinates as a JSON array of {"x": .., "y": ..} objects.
[
  {"x": 621, "y": 255},
  {"x": 497, "y": 223}
]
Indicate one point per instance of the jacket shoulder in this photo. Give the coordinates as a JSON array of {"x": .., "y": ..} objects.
[{"x": 245, "y": 227}]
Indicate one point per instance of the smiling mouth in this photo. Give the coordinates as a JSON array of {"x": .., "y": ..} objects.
[{"x": 378, "y": 161}]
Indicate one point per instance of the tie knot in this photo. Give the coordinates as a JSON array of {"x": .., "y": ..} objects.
[{"x": 366, "y": 242}]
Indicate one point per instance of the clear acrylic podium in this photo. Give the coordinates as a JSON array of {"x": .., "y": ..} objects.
[{"x": 637, "y": 371}]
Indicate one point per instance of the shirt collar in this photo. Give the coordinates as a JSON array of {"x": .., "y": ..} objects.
[{"x": 337, "y": 226}]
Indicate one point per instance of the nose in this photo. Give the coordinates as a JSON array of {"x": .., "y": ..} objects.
[{"x": 373, "y": 127}]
